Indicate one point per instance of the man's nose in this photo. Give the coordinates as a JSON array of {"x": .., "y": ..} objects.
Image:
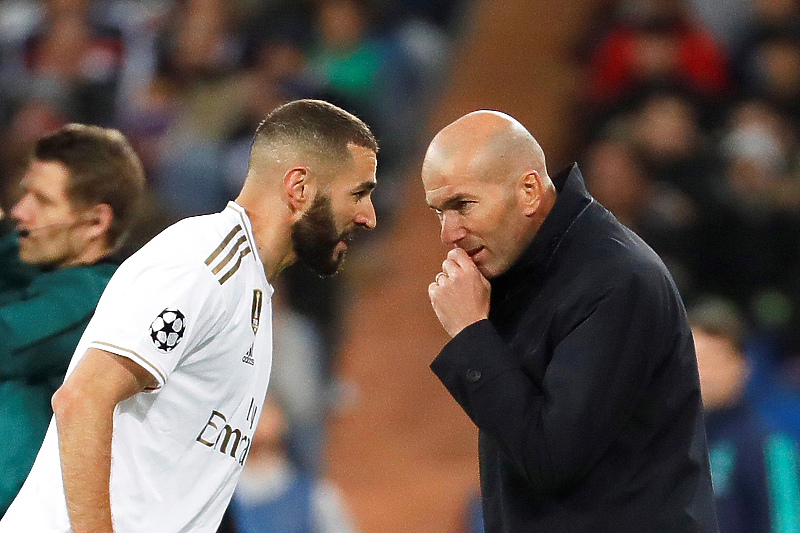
[
  {"x": 20, "y": 209},
  {"x": 366, "y": 216},
  {"x": 452, "y": 230}
]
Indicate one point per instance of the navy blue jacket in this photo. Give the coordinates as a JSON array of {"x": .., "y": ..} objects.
[{"x": 583, "y": 383}]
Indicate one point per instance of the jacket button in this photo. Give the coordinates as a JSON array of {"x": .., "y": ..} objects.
[{"x": 473, "y": 376}]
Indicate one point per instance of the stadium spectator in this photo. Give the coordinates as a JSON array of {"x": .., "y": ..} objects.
[
  {"x": 655, "y": 42},
  {"x": 755, "y": 469},
  {"x": 274, "y": 496},
  {"x": 78, "y": 59}
]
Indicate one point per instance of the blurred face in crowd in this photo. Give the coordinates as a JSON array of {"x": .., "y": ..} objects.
[
  {"x": 483, "y": 176},
  {"x": 341, "y": 23},
  {"x": 617, "y": 179},
  {"x": 723, "y": 370},
  {"x": 52, "y": 231},
  {"x": 666, "y": 128},
  {"x": 271, "y": 430},
  {"x": 778, "y": 66},
  {"x": 320, "y": 236}
]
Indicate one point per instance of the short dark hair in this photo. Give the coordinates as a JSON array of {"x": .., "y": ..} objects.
[
  {"x": 318, "y": 125},
  {"x": 102, "y": 169},
  {"x": 718, "y": 317}
]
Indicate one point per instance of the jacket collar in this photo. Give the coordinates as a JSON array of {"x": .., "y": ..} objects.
[{"x": 572, "y": 200}]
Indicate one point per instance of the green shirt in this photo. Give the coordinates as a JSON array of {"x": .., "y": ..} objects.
[{"x": 42, "y": 317}]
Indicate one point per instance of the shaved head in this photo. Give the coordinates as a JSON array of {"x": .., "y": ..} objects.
[
  {"x": 492, "y": 145},
  {"x": 485, "y": 176}
]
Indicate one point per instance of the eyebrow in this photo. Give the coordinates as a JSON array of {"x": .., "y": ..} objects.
[
  {"x": 365, "y": 186},
  {"x": 449, "y": 203},
  {"x": 39, "y": 195}
]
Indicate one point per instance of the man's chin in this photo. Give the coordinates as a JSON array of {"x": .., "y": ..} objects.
[
  {"x": 26, "y": 256},
  {"x": 487, "y": 271},
  {"x": 328, "y": 268},
  {"x": 339, "y": 250}
]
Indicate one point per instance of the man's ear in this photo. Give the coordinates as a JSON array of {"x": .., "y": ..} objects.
[
  {"x": 99, "y": 219},
  {"x": 298, "y": 187},
  {"x": 530, "y": 189}
]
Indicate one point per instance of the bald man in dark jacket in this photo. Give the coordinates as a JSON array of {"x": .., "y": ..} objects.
[{"x": 570, "y": 349}]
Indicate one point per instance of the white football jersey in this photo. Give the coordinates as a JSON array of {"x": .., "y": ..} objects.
[{"x": 192, "y": 307}]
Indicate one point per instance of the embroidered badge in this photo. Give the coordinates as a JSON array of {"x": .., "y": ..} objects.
[
  {"x": 167, "y": 329},
  {"x": 255, "y": 314}
]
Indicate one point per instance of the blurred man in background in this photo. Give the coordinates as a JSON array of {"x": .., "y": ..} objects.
[
  {"x": 755, "y": 469},
  {"x": 80, "y": 193},
  {"x": 570, "y": 348},
  {"x": 274, "y": 496}
]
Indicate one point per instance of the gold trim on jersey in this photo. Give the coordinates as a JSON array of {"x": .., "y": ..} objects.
[
  {"x": 235, "y": 267},
  {"x": 223, "y": 244},
  {"x": 242, "y": 212},
  {"x": 120, "y": 348},
  {"x": 235, "y": 248},
  {"x": 255, "y": 313}
]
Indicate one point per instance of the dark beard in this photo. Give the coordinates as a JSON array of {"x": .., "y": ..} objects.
[{"x": 314, "y": 238}]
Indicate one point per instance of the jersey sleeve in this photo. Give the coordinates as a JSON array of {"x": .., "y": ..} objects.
[{"x": 156, "y": 313}]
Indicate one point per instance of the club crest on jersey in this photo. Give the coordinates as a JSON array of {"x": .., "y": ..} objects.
[
  {"x": 167, "y": 329},
  {"x": 255, "y": 314}
]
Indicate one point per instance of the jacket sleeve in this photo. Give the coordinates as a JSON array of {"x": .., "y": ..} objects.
[
  {"x": 553, "y": 432},
  {"x": 56, "y": 303}
]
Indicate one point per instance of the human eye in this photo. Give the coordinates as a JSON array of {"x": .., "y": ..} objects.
[
  {"x": 364, "y": 191},
  {"x": 464, "y": 206},
  {"x": 40, "y": 198}
]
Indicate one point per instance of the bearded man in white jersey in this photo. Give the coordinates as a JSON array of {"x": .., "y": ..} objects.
[{"x": 155, "y": 418}]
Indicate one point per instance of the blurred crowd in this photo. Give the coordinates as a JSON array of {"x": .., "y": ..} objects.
[
  {"x": 188, "y": 80},
  {"x": 693, "y": 141}
]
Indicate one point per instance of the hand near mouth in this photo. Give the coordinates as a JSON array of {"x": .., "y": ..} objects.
[{"x": 460, "y": 294}]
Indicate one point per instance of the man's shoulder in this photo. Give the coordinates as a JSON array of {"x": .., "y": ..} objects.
[
  {"x": 605, "y": 258},
  {"x": 186, "y": 243},
  {"x": 196, "y": 233},
  {"x": 614, "y": 249},
  {"x": 84, "y": 280}
]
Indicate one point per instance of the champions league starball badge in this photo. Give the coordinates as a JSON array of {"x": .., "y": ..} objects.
[{"x": 167, "y": 329}]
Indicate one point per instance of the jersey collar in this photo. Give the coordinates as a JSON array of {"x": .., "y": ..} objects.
[{"x": 248, "y": 231}]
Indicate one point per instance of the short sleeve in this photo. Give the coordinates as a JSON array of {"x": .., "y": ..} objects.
[{"x": 156, "y": 312}]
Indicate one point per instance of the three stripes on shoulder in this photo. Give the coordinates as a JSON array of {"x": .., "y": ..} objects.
[{"x": 222, "y": 265}]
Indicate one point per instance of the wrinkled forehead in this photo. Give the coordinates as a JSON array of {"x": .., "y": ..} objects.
[{"x": 455, "y": 184}]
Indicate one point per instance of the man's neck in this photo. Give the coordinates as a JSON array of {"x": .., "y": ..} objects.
[
  {"x": 271, "y": 231},
  {"x": 88, "y": 256}
]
